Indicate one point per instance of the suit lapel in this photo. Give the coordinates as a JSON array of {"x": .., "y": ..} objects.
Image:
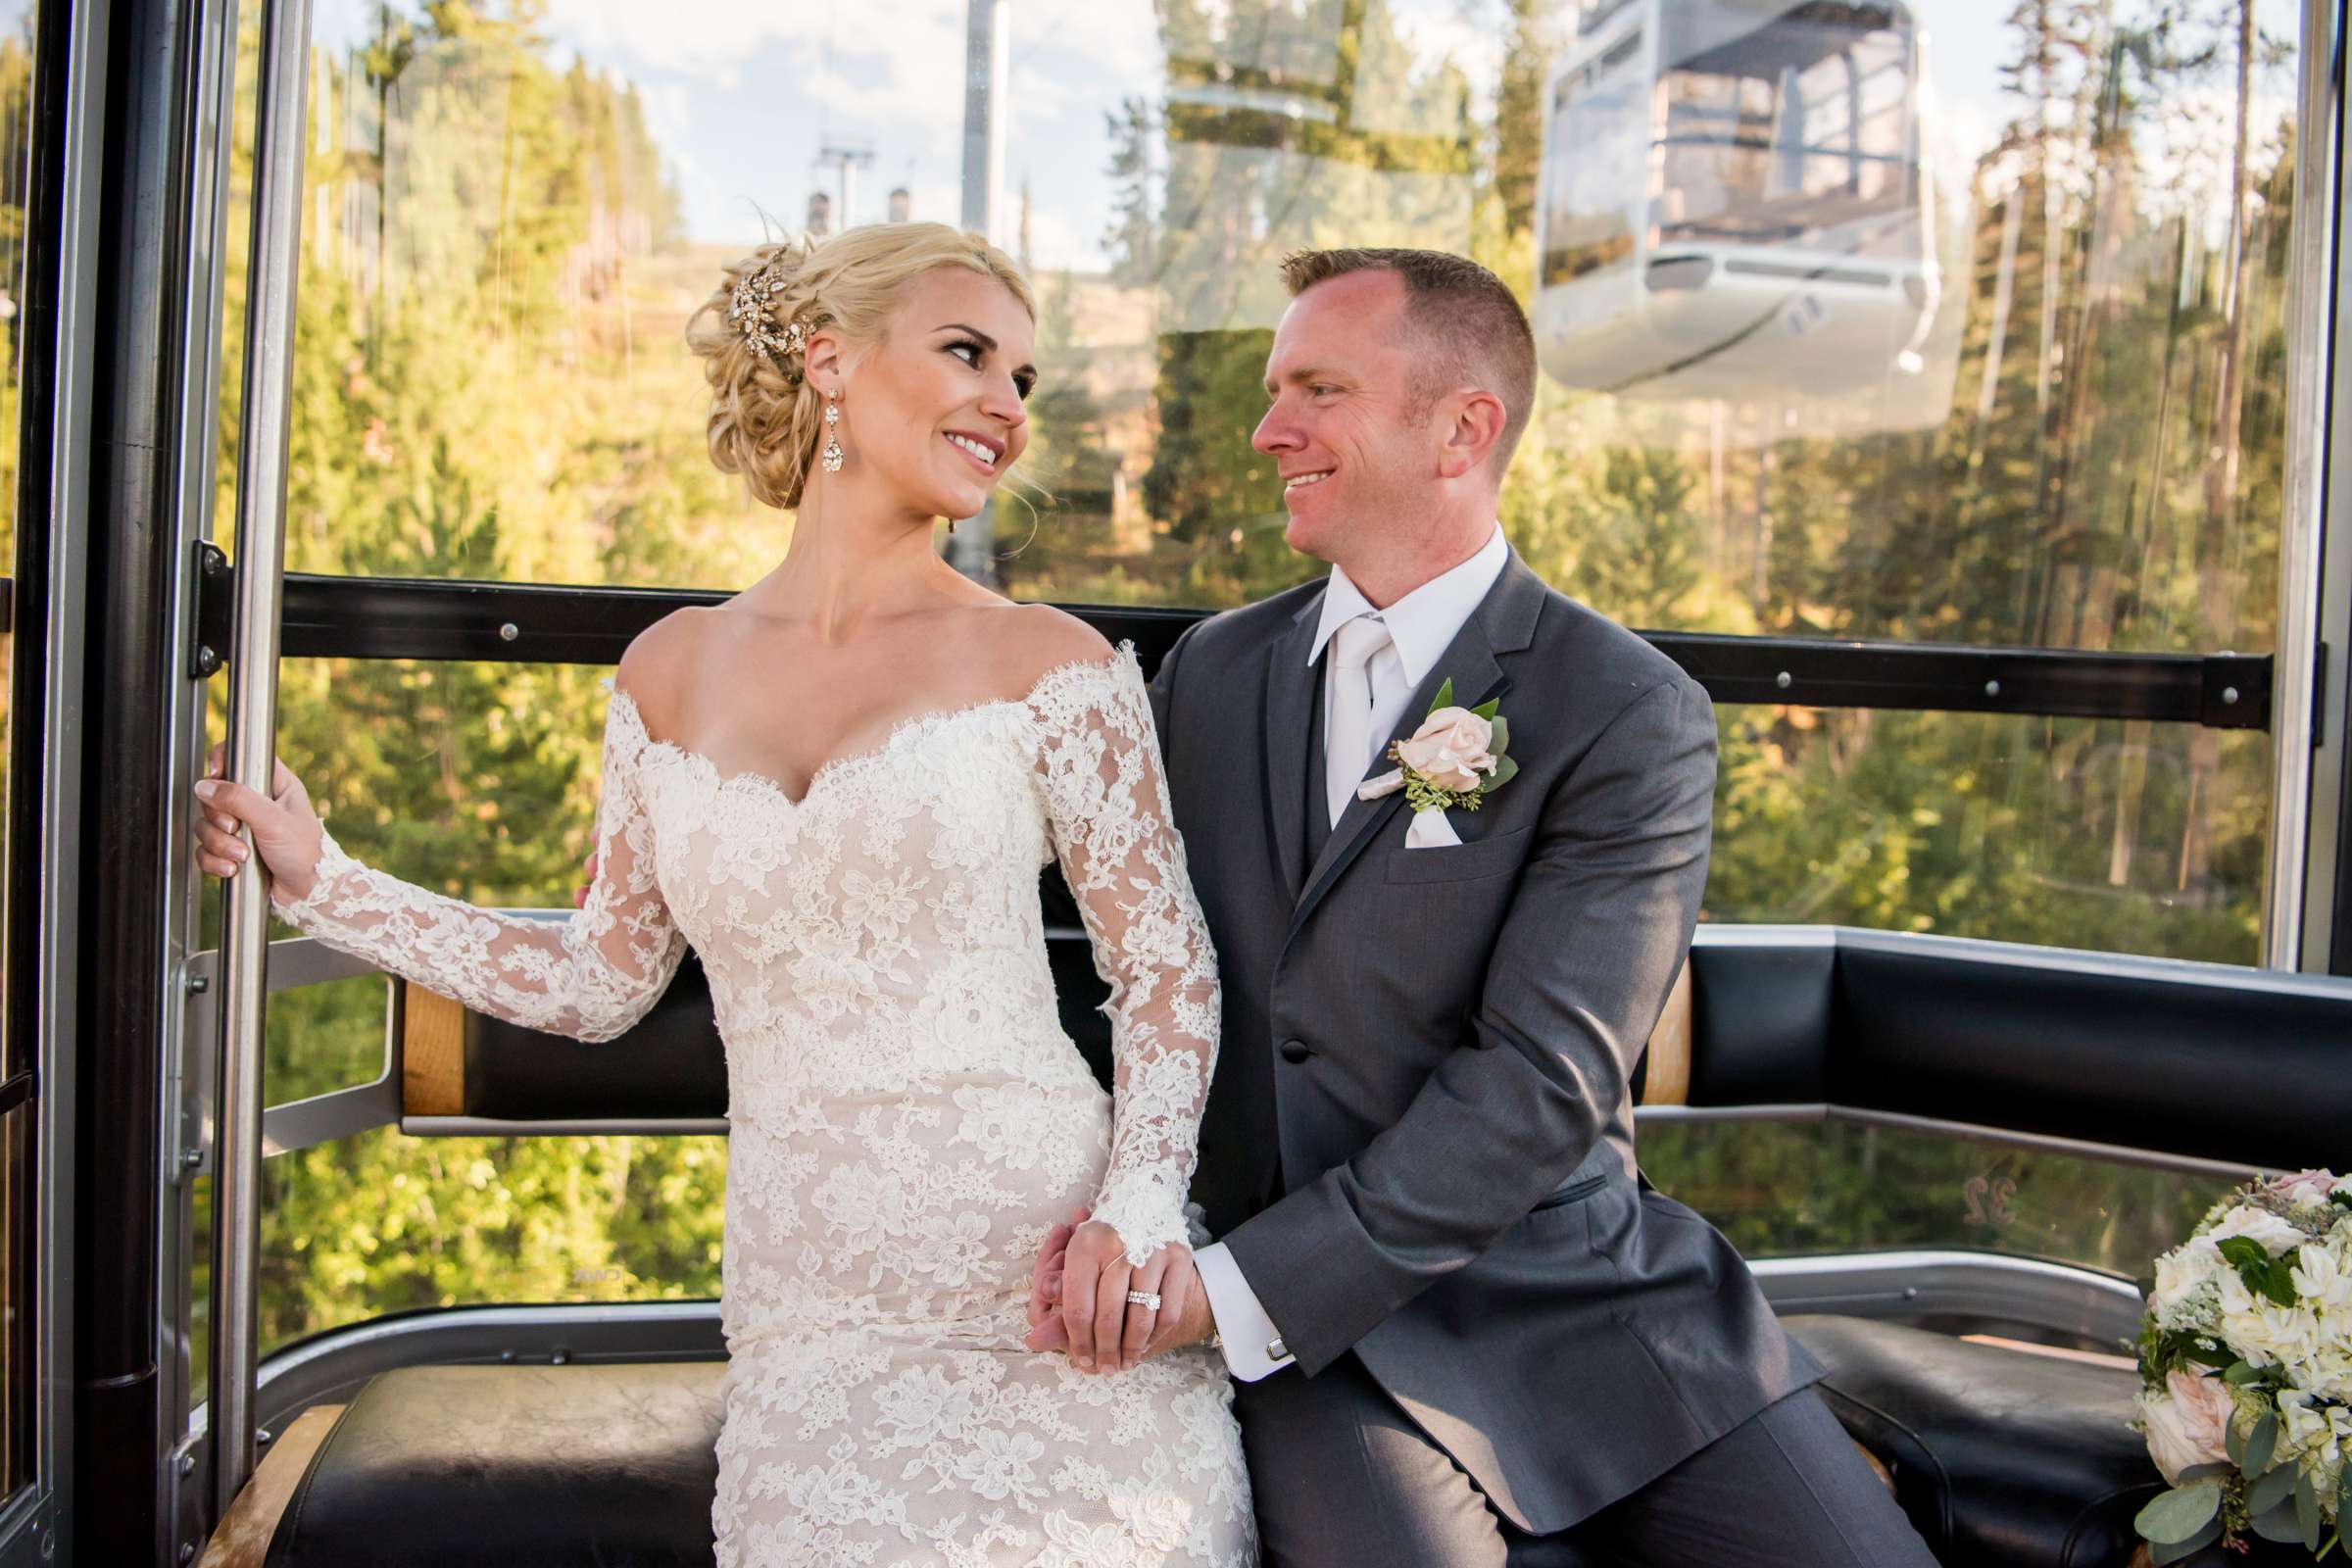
[
  {"x": 1469, "y": 661},
  {"x": 1504, "y": 623},
  {"x": 1289, "y": 695}
]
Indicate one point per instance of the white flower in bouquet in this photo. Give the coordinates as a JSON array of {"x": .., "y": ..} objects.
[
  {"x": 2187, "y": 1285},
  {"x": 2277, "y": 1234},
  {"x": 2322, "y": 1272},
  {"x": 2321, "y": 1434}
]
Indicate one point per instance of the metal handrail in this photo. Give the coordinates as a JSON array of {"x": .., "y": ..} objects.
[{"x": 279, "y": 145}]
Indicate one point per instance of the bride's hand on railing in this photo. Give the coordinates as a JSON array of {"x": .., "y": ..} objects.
[
  {"x": 1078, "y": 1298},
  {"x": 286, "y": 831}
]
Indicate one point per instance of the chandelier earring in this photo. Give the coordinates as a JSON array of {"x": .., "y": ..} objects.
[{"x": 832, "y": 455}]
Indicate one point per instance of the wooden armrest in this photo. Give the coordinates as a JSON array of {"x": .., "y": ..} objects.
[
  {"x": 1666, "y": 1067},
  {"x": 433, "y": 1054},
  {"x": 243, "y": 1538}
]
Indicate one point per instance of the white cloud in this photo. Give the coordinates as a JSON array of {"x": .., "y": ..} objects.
[{"x": 692, "y": 37}]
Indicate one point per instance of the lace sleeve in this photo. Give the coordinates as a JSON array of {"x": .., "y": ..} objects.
[
  {"x": 591, "y": 976},
  {"x": 1106, "y": 807}
]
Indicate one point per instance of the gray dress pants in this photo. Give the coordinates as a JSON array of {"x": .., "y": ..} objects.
[{"x": 1344, "y": 1479}]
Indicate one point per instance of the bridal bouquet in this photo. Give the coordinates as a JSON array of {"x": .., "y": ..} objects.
[{"x": 2245, "y": 1356}]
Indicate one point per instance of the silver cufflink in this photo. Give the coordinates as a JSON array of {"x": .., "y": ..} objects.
[{"x": 1274, "y": 1348}]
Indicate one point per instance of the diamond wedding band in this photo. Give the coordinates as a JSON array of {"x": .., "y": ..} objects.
[{"x": 1150, "y": 1299}]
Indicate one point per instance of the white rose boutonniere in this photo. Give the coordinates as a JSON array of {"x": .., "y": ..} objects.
[{"x": 1456, "y": 758}]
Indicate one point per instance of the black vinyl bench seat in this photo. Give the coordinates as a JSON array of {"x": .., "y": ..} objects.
[{"x": 2002, "y": 1459}]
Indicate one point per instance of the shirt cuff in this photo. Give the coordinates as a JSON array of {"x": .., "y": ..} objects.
[{"x": 1252, "y": 1344}]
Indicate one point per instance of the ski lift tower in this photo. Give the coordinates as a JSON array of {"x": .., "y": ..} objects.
[
  {"x": 844, "y": 159},
  {"x": 987, "y": 36}
]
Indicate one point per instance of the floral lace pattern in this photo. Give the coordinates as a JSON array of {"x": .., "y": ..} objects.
[{"x": 907, "y": 1116}]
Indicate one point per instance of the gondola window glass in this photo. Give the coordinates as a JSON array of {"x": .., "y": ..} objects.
[
  {"x": 1934, "y": 322},
  {"x": 1930, "y": 322}
]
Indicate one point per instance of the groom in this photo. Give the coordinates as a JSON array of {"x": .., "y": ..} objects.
[{"x": 1465, "y": 1329}]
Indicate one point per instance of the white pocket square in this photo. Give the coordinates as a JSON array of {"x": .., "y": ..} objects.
[{"x": 1431, "y": 831}]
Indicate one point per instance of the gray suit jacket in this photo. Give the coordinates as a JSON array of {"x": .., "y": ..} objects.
[{"x": 1419, "y": 1142}]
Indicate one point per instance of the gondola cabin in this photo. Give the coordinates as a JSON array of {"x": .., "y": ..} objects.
[
  {"x": 344, "y": 416},
  {"x": 1733, "y": 200}
]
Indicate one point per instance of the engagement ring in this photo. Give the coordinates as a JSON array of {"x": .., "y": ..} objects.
[{"x": 1150, "y": 1299}]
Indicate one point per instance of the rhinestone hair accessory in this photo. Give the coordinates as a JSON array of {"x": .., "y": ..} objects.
[{"x": 749, "y": 312}]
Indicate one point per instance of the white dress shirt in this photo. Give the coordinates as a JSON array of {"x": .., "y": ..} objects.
[{"x": 1421, "y": 626}]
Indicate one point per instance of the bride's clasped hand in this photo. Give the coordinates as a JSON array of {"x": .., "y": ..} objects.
[{"x": 1077, "y": 1299}]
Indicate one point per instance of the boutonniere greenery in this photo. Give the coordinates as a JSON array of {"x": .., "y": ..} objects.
[{"x": 1454, "y": 760}]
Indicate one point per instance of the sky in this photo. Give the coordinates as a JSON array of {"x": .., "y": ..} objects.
[{"x": 743, "y": 94}]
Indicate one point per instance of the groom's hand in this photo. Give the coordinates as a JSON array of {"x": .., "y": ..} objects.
[{"x": 1046, "y": 1331}]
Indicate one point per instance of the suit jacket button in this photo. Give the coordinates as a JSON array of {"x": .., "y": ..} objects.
[{"x": 1294, "y": 1051}]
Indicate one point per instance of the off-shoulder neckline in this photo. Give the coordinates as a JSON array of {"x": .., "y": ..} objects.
[{"x": 1120, "y": 658}]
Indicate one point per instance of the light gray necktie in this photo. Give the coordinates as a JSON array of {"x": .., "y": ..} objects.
[{"x": 1348, "y": 728}]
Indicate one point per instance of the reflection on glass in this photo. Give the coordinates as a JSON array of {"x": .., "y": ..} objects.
[
  {"x": 1864, "y": 320},
  {"x": 1797, "y": 132},
  {"x": 1596, "y": 172},
  {"x": 1966, "y": 328},
  {"x": 1792, "y": 1189},
  {"x": 1737, "y": 204},
  {"x": 1860, "y": 319}
]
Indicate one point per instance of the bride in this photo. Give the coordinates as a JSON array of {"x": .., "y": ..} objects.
[{"x": 840, "y": 787}]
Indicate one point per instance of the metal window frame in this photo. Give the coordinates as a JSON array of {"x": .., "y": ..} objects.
[
  {"x": 2325, "y": 874},
  {"x": 70, "y": 81},
  {"x": 515, "y": 622},
  {"x": 1899, "y": 1284},
  {"x": 2306, "y": 825},
  {"x": 184, "y": 1117}
]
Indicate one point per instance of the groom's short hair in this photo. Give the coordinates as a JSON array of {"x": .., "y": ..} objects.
[{"x": 1468, "y": 326}]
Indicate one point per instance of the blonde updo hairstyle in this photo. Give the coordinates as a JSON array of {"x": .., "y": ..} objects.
[{"x": 766, "y": 421}]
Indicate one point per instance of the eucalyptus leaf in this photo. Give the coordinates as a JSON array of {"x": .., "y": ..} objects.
[
  {"x": 2176, "y": 1550},
  {"x": 2260, "y": 1444},
  {"x": 2307, "y": 1510},
  {"x": 2241, "y": 1373},
  {"x": 2272, "y": 1278},
  {"x": 2198, "y": 1472},
  {"x": 2280, "y": 1524},
  {"x": 1504, "y": 771},
  {"x": 2274, "y": 1488},
  {"x": 2235, "y": 1442},
  {"x": 1501, "y": 741},
  {"x": 2177, "y": 1514}
]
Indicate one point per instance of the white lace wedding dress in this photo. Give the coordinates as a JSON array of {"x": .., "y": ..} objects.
[{"x": 907, "y": 1116}]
